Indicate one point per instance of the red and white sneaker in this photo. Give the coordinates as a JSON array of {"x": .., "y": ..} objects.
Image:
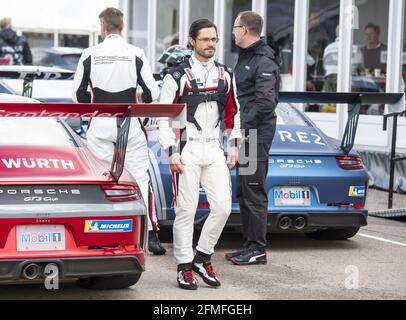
[
  {"x": 206, "y": 271},
  {"x": 186, "y": 279}
]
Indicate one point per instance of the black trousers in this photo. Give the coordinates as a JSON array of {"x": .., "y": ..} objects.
[{"x": 252, "y": 195}]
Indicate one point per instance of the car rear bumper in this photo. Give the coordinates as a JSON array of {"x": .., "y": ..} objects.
[
  {"x": 69, "y": 268},
  {"x": 313, "y": 220}
]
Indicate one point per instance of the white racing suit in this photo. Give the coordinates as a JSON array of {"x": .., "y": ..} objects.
[
  {"x": 113, "y": 70},
  {"x": 201, "y": 151}
]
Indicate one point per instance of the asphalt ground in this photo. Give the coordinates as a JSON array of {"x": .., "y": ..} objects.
[{"x": 371, "y": 265}]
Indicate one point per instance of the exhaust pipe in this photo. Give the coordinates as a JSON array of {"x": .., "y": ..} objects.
[
  {"x": 31, "y": 271},
  {"x": 285, "y": 223},
  {"x": 300, "y": 223}
]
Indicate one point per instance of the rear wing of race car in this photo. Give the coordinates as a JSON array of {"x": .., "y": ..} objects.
[
  {"x": 31, "y": 73},
  {"x": 354, "y": 100},
  {"x": 123, "y": 113}
]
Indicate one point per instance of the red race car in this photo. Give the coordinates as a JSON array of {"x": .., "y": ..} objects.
[{"x": 63, "y": 211}]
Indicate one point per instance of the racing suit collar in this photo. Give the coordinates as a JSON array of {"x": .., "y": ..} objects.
[
  {"x": 113, "y": 36},
  {"x": 194, "y": 61}
]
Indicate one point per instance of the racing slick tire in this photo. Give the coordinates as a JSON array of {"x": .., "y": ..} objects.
[
  {"x": 334, "y": 234},
  {"x": 109, "y": 283}
]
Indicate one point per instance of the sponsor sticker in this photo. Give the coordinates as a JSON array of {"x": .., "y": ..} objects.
[
  {"x": 357, "y": 191},
  {"x": 40, "y": 238},
  {"x": 300, "y": 137},
  {"x": 94, "y": 226},
  {"x": 37, "y": 163},
  {"x": 292, "y": 196}
]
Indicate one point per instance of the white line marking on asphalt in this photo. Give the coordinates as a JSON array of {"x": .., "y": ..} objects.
[{"x": 381, "y": 239}]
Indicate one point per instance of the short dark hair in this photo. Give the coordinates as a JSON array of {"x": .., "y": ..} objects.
[
  {"x": 5, "y": 23},
  {"x": 373, "y": 26},
  {"x": 253, "y": 21},
  {"x": 112, "y": 18},
  {"x": 198, "y": 25}
]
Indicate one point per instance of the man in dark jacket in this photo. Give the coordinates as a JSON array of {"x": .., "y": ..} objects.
[
  {"x": 258, "y": 79},
  {"x": 13, "y": 48}
]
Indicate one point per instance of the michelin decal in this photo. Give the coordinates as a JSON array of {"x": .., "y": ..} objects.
[
  {"x": 357, "y": 191},
  {"x": 94, "y": 226}
]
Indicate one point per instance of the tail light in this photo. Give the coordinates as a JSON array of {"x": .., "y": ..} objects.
[
  {"x": 349, "y": 162},
  {"x": 358, "y": 206},
  {"x": 121, "y": 193}
]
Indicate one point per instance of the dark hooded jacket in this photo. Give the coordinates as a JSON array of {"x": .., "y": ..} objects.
[
  {"x": 257, "y": 76},
  {"x": 14, "y": 47}
]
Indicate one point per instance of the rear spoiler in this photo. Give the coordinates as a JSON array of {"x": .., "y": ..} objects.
[
  {"x": 123, "y": 113},
  {"x": 31, "y": 73},
  {"x": 35, "y": 73},
  {"x": 354, "y": 101}
]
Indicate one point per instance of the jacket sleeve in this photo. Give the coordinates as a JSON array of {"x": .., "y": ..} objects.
[
  {"x": 232, "y": 114},
  {"x": 146, "y": 79},
  {"x": 266, "y": 94},
  {"x": 81, "y": 80},
  {"x": 169, "y": 95}
]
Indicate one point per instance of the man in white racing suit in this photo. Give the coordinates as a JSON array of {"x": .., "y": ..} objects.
[
  {"x": 113, "y": 70},
  {"x": 208, "y": 89}
]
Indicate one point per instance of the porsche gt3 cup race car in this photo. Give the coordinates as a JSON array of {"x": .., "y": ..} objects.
[{"x": 60, "y": 206}]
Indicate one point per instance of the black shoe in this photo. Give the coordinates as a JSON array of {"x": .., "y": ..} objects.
[
  {"x": 250, "y": 256},
  {"x": 154, "y": 245},
  {"x": 206, "y": 271},
  {"x": 233, "y": 254},
  {"x": 186, "y": 279}
]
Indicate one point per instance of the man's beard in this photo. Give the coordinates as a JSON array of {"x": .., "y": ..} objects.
[{"x": 206, "y": 54}]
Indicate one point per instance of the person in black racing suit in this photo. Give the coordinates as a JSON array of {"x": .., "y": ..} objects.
[{"x": 13, "y": 48}]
